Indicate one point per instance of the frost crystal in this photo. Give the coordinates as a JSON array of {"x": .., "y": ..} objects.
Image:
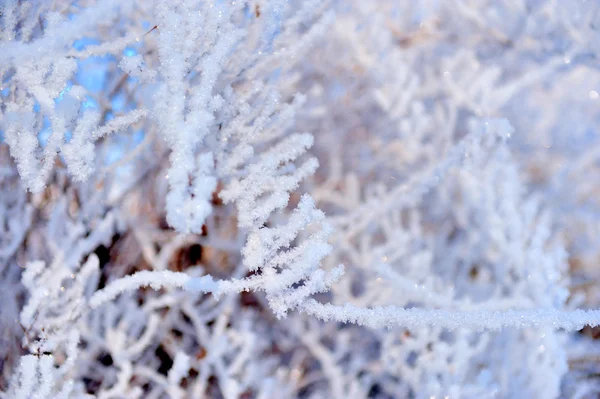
[{"x": 311, "y": 199}]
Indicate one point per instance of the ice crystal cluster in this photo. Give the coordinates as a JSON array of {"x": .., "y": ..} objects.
[{"x": 299, "y": 199}]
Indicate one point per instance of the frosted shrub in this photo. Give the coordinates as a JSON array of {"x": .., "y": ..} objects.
[{"x": 272, "y": 199}]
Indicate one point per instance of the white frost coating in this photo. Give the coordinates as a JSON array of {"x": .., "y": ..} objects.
[
  {"x": 476, "y": 320},
  {"x": 265, "y": 177},
  {"x": 472, "y": 241},
  {"x": 27, "y": 376},
  {"x": 79, "y": 152},
  {"x": 62, "y": 35},
  {"x": 119, "y": 123},
  {"x": 188, "y": 207},
  {"x": 34, "y": 379},
  {"x": 180, "y": 369},
  {"x": 42, "y": 75},
  {"x": 186, "y": 120},
  {"x": 134, "y": 66},
  {"x": 154, "y": 280}
]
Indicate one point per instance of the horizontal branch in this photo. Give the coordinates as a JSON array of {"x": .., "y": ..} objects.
[
  {"x": 414, "y": 318},
  {"x": 155, "y": 280},
  {"x": 377, "y": 317}
]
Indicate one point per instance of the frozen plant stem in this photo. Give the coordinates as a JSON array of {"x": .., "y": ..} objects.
[{"x": 376, "y": 317}]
